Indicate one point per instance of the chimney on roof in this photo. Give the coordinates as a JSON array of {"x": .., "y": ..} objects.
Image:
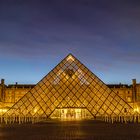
[
  {"x": 134, "y": 91},
  {"x": 2, "y": 81},
  {"x": 2, "y": 96},
  {"x": 134, "y": 81}
]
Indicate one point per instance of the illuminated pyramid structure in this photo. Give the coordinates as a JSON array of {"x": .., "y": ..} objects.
[{"x": 70, "y": 90}]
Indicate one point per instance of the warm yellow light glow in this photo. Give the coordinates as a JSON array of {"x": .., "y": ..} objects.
[
  {"x": 35, "y": 110},
  {"x": 78, "y": 110},
  {"x": 3, "y": 110},
  {"x": 70, "y": 58},
  {"x": 67, "y": 77},
  {"x": 136, "y": 109},
  {"x": 71, "y": 113}
]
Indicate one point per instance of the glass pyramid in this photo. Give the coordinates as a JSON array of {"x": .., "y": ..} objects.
[{"x": 70, "y": 90}]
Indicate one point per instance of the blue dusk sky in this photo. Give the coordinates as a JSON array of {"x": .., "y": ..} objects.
[{"x": 35, "y": 35}]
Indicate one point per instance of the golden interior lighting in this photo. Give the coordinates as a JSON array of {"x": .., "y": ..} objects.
[
  {"x": 70, "y": 91},
  {"x": 136, "y": 110},
  {"x": 70, "y": 58}
]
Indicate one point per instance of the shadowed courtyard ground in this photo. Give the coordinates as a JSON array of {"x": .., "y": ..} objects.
[{"x": 70, "y": 130}]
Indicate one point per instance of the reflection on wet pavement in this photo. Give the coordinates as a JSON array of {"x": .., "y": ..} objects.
[{"x": 72, "y": 130}]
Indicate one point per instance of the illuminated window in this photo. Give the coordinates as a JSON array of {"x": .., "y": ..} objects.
[{"x": 129, "y": 99}]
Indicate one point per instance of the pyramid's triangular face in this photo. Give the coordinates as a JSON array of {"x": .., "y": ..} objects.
[{"x": 70, "y": 87}]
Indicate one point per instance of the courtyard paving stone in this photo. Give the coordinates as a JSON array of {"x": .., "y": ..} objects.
[{"x": 70, "y": 130}]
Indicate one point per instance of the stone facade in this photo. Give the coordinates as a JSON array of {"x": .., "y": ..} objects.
[{"x": 9, "y": 94}]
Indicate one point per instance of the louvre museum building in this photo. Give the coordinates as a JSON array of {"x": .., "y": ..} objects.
[{"x": 69, "y": 92}]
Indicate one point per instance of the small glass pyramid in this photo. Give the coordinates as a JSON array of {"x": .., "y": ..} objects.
[{"x": 70, "y": 90}]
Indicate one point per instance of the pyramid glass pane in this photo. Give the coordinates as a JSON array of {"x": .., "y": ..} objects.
[{"x": 70, "y": 90}]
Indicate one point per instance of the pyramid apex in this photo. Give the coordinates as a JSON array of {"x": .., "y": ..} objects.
[
  {"x": 70, "y": 54},
  {"x": 70, "y": 57}
]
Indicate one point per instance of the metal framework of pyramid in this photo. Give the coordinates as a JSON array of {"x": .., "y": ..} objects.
[{"x": 70, "y": 85}]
